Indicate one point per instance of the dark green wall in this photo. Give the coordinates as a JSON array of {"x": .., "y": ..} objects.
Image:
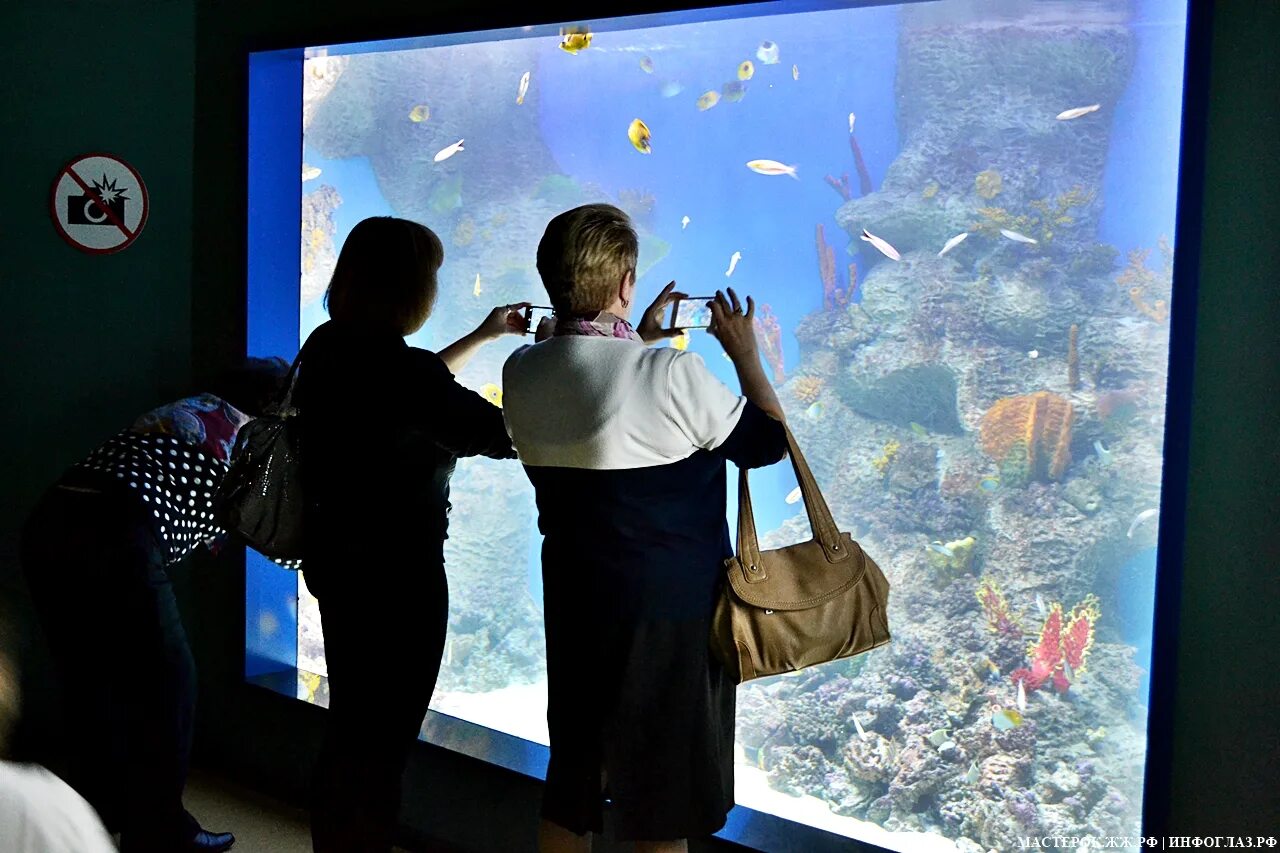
[{"x": 89, "y": 342}]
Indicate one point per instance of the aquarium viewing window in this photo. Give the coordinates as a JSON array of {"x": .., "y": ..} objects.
[{"x": 956, "y": 218}]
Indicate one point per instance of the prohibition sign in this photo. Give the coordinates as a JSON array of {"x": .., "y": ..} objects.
[{"x": 99, "y": 203}]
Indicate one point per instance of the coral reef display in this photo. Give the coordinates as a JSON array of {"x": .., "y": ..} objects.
[
  {"x": 1029, "y": 436},
  {"x": 319, "y": 254}
]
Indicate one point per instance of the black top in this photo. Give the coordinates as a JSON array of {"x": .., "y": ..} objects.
[{"x": 383, "y": 424}]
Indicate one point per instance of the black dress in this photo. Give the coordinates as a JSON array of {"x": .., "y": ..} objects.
[
  {"x": 383, "y": 424},
  {"x": 632, "y": 563}
]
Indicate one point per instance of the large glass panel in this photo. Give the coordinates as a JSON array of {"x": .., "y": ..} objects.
[{"x": 956, "y": 220}]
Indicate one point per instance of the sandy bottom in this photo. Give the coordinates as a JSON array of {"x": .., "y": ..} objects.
[{"x": 519, "y": 710}]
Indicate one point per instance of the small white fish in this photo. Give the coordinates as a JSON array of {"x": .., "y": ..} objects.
[
  {"x": 447, "y": 152},
  {"x": 884, "y": 247},
  {"x": 772, "y": 167},
  {"x": 795, "y": 72},
  {"x": 939, "y": 548},
  {"x": 1016, "y": 237},
  {"x": 972, "y": 776},
  {"x": 671, "y": 89},
  {"x": 1022, "y": 696},
  {"x": 524, "y": 88},
  {"x": 938, "y": 738},
  {"x": 862, "y": 733},
  {"x": 310, "y": 173},
  {"x": 793, "y": 495},
  {"x": 1067, "y": 115},
  {"x": 1035, "y": 353},
  {"x": 1104, "y": 455},
  {"x": 852, "y": 118},
  {"x": 1067, "y": 672},
  {"x": 1039, "y": 608},
  {"x": 475, "y": 291},
  {"x": 1139, "y": 519},
  {"x": 953, "y": 242},
  {"x": 733, "y": 263},
  {"x": 684, "y": 222}
]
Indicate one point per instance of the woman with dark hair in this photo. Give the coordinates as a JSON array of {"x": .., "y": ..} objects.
[
  {"x": 382, "y": 425},
  {"x": 96, "y": 551}
]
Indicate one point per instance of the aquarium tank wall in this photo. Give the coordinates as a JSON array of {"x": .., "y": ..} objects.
[{"x": 956, "y": 220}]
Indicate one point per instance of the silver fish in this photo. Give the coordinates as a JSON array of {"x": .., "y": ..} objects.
[
  {"x": 733, "y": 263},
  {"x": 448, "y": 151},
  {"x": 524, "y": 88},
  {"x": 862, "y": 733},
  {"x": 1016, "y": 237},
  {"x": 1104, "y": 455},
  {"x": 1139, "y": 518},
  {"x": 852, "y": 118},
  {"x": 939, "y": 548},
  {"x": 1039, "y": 608},
  {"x": 881, "y": 244},
  {"x": 953, "y": 242},
  {"x": 1022, "y": 696},
  {"x": 972, "y": 776},
  {"x": 938, "y": 738},
  {"x": 1067, "y": 115}
]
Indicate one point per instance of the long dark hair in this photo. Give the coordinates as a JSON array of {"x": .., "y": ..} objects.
[{"x": 386, "y": 275}]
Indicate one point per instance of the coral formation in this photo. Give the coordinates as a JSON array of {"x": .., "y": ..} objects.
[
  {"x": 887, "y": 453},
  {"x": 319, "y": 254},
  {"x": 833, "y": 296},
  {"x": 988, "y": 184},
  {"x": 955, "y": 556},
  {"x": 995, "y": 607},
  {"x": 864, "y": 177},
  {"x": 841, "y": 186},
  {"x": 1073, "y": 357},
  {"x": 769, "y": 334},
  {"x": 1149, "y": 289},
  {"x": 1050, "y": 215},
  {"x": 807, "y": 389},
  {"x": 1029, "y": 436},
  {"x": 1060, "y": 652}
]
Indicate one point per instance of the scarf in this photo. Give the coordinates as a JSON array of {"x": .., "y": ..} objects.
[{"x": 603, "y": 325}]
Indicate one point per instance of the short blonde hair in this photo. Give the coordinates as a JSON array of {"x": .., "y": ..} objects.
[
  {"x": 386, "y": 275},
  {"x": 583, "y": 255}
]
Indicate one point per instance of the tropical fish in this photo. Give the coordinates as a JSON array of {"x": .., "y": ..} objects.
[
  {"x": 475, "y": 291},
  {"x": 857, "y": 724},
  {"x": 572, "y": 41},
  {"x": 733, "y": 263},
  {"x": 671, "y": 88},
  {"x": 772, "y": 167},
  {"x": 989, "y": 484},
  {"x": 885, "y": 249},
  {"x": 793, "y": 495},
  {"x": 767, "y": 53},
  {"x": 420, "y": 113},
  {"x": 953, "y": 242},
  {"x": 795, "y": 72},
  {"x": 1067, "y": 115},
  {"x": 310, "y": 173},
  {"x": 1016, "y": 237},
  {"x": 1005, "y": 719},
  {"x": 852, "y": 119},
  {"x": 1034, "y": 353},
  {"x": 1067, "y": 672},
  {"x": 681, "y": 342},
  {"x": 938, "y": 548},
  {"x": 638, "y": 133},
  {"x": 1139, "y": 519},
  {"x": 524, "y": 88},
  {"x": 646, "y": 65},
  {"x": 918, "y": 429},
  {"x": 708, "y": 99},
  {"x": 733, "y": 91},
  {"x": 746, "y": 70},
  {"x": 972, "y": 776},
  {"x": 449, "y": 151},
  {"x": 1104, "y": 455},
  {"x": 1022, "y": 697},
  {"x": 684, "y": 222},
  {"x": 938, "y": 738},
  {"x": 1040, "y": 608},
  {"x": 492, "y": 393},
  {"x": 815, "y": 411}
]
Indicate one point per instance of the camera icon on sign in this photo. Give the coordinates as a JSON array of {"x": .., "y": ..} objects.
[{"x": 106, "y": 209}]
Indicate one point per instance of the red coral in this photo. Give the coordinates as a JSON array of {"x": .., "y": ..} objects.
[
  {"x": 864, "y": 177},
  {"x": 996, "y": 608},
  {"x": 1058, "y": 645},
  {"x": 769, "y": 333},
  {"x": 841, "y": 186},
  {"x": 832, "y": 295}
]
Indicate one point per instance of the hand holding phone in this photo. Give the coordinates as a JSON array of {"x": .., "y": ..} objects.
[
  {"x": 534, "y": 315},
  {"x": 690, "y": 312}
]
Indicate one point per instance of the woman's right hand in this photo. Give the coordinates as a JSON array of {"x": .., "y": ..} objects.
[{"x": 734, "y": 329}]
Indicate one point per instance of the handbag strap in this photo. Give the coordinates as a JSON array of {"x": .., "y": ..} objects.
[
  {"x": 825, "y": 532},
  {"x": 284, "y": 399}
]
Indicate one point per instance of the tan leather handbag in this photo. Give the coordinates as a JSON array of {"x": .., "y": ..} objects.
[{"x": 793, "y": 607}]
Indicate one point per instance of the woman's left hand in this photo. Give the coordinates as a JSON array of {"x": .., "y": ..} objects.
[
  {"x": 650, "y": 328},
  {"x": 504, "y": 320}
]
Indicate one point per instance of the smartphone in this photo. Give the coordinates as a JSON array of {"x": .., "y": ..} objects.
[
  {"x": 533, "y": 315},
  {"x": 690, "y": 313}
]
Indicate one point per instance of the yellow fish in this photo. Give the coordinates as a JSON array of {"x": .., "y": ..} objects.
[
  {"x": 795, "y": 72},
  {"x": 476, "y": 290},
  {"x": 1005, "y": 719},
  {"x": 492, "y": 393},
  {"x": 681, "y": 342},
  {"x": 646, "y": 65},
  {"x": 708, "y": 100},
  {"x": 420, "y": 113},
  {"x": 310, "y": 172},
  {"x": 746, "y": 70},
  {"x": 772, "y": 167},
  {"x": 573, "y": 41},
  {"x": 638, "y": 133},
  {"x": 524, "y": 89}
]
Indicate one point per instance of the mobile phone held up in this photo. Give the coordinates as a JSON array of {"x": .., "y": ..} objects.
[
  {"x": 690, "y": 313},
  {"x": 535, "y": 314}
]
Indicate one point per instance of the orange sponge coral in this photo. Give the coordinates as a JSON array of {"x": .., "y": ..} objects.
[{"x": 1030, "y": 432}]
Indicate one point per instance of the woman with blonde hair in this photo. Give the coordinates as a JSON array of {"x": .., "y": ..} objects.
[
  {"x": 626, "y": 448},
  {"x": 383, "y": 424}
]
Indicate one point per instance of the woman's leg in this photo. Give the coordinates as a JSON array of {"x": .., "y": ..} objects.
[{"x": 553, "y": 838}]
